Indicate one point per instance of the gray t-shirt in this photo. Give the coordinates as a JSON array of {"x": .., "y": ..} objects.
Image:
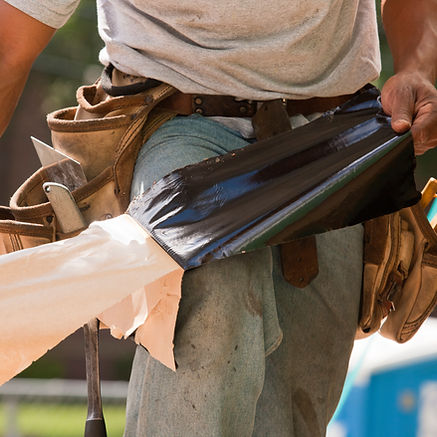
[{"x": 253, "y": 49}]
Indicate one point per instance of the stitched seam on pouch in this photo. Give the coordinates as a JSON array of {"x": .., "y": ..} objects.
[
  {"x": 424, "y": 226},
  {"x": 425, "y": 313}
]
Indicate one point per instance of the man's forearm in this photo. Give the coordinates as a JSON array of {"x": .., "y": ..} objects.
[
  {"x": 410, "y": 96},
  {"x": 11, "y": 87},
  {"x": 22, "y": 39},
  {"x": 411, "y": 29}
]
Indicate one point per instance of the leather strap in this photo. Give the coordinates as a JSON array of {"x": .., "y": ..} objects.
[
  {"x": 299, "y": 261},
  {"x": 271, "y": 119},
  {"x": 227, "y": 106},
  {"x": 299, "y": 258},
  {"x": 124, "y": 84},
  {"x": 117, "y": 83}
]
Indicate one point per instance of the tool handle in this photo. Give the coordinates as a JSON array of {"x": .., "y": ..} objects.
[
  {"x": 95, "y": 423},
  {"x": 95, "y": 428},
  {"x": 70, "y": 219},
  {"x": 67, "y": 213},
  {"x": 428, "y": 193}
]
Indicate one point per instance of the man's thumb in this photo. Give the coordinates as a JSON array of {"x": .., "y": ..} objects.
[
  {"x": 402, "y": 112},
  {"x": 400, "y": 125}
]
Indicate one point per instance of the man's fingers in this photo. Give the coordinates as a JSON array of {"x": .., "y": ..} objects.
[
  {"x": 401, "y": 124},
  {"x": 403, "y": 108},
  {"x": 411, "y": 100}
]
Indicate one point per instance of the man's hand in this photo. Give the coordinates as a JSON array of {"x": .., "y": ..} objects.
[
  {"x": 411, "y": 100},
  {"x": 21, "y": 40},
  {"x": 410, "y": 96}
]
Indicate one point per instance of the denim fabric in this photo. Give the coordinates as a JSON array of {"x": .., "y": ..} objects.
[{"x": 238, "y": 375}]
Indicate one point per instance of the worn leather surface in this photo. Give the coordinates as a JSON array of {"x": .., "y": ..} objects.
[
  {"x": 299, "y": 261},
  {"x": 228, "y": 106},
  {"x": 101, "y": 127},
  {"x": 271, "y": 119},
  {"x": 400, "y": 274}
]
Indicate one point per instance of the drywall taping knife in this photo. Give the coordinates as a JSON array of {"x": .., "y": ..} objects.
[{"x": 70, "y": 219}]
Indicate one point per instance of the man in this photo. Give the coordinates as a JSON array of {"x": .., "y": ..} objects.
[{"x": 256, "y": 356}]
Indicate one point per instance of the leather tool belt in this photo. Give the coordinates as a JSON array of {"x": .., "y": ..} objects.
[
  {"x": 116, "y": 83},
  {"x": 227, "y": 106},
  {"x": 112, "y": 121},
  {"x": 104, "y": 132}
]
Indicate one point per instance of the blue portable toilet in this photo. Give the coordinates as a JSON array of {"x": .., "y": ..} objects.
[{"x": 391, "y": 389}]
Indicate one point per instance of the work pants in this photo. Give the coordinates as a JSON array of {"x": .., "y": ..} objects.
[{"x": 255, "y": 356}]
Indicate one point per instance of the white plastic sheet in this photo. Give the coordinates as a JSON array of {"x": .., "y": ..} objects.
[{"x": 113, "y": 270}]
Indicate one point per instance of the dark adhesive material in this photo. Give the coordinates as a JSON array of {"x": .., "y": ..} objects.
[{"x": 339, "y": 170}]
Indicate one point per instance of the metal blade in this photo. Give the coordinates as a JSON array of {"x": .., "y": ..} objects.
[{"x": 47, "y": 154}]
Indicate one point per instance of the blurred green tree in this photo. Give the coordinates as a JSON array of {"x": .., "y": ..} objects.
[{"x": 71, "y": 58}]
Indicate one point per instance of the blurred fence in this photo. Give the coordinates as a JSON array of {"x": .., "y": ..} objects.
[{"x": 56, "y": 407}]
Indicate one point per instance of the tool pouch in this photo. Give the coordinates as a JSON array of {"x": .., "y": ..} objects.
[
  {"x": 96, "y": 199},
  {"x": 30, "y": 220},
  {"x": 104, "y": 134},
  {"x": 400, "y": 272}
]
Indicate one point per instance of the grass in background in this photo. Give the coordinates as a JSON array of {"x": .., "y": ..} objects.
[{"x": 54, "y": 420}]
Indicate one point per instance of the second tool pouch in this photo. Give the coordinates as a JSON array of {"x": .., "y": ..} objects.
[{"x": 400, "y": 272}]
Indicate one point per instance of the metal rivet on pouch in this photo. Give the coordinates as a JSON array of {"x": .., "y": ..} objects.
[
  {"x": 199, "y": 110},
  {"x": 198, "y": 101}
]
